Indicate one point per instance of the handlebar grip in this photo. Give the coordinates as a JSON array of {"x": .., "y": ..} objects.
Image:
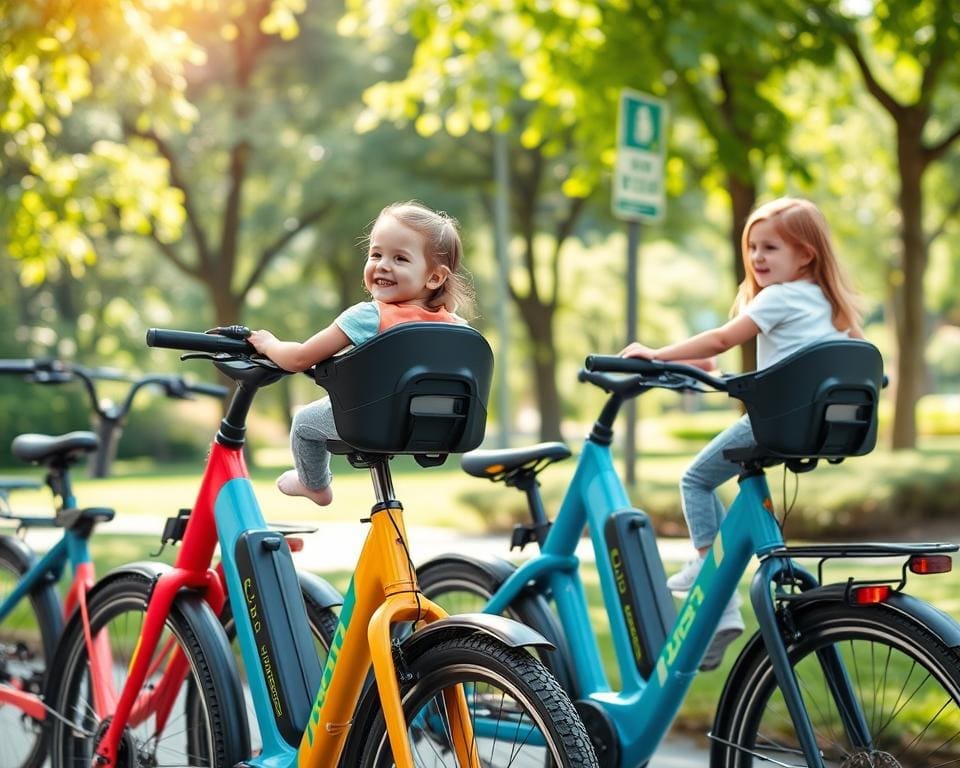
[
  {"x": 195, "y": 342},
  {"x": 17, "y": 366},
  {"x": 617, "y": 364}
]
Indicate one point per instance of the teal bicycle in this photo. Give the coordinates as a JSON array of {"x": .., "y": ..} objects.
[{"x": 843, "y": 675}]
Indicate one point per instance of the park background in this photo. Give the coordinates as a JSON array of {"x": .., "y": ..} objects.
[{"x": 188, "y": 163}]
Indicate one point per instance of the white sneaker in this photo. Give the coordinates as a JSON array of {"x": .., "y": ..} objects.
[
  {"x": 683, "y": 580},
  {"x": 729, "y": 629}
]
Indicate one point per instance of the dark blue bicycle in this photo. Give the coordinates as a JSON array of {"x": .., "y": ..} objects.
[{"x": 850, "y": 674}]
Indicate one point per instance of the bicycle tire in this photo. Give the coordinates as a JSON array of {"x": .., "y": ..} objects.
[
  {"x": 906, "y": 680},
  {"x": 499, "y": 680},
  {"x": 461, "y": 585},
  {"x": 119, "y": 608},
  {"x": 28, "y": 639}
]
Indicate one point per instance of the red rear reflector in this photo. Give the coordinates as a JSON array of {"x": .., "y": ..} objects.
[
  {"x": 870, "y": 594},
  {"x": 931, "y": 564},
  {"x": 294, "y": 543}
]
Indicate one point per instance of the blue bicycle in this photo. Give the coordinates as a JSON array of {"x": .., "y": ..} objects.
[{"x": 857, "y": 673}]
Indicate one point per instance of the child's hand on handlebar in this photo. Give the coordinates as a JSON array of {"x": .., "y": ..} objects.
[
  {"x": 636, "y": 349},
  {"x": 260, "y": 340}
]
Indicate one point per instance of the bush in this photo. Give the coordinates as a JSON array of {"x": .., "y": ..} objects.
[
  {"x": 939, "y": 415},
  {"x": 169, "y": 431},
  {"x": 885, "y": 495}
]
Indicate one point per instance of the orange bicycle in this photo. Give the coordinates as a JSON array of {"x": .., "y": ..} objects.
[{"x": 458, "y": 690}]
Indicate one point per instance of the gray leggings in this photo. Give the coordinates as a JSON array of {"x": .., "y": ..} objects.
[
  {"x": 312, "y": 427},
  {"x": 702, "y": 507}
]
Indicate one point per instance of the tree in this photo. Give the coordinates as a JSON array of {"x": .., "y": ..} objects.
[
  {"x": 469, "y": 66},
  {"x": 724, "y": 60},
  {"x": 66, "y": 184},
  {"x": 171, "y": 144},
  {"x": 906, "y": 53}
]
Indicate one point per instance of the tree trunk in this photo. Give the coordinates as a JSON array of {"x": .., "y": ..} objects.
[
  {"x": 743, "y": 197},
  {"x": 539, "y": 321},
  {"x": 908, "y": 290}
]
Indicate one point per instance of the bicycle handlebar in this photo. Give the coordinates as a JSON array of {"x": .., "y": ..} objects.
[
  {"x": 196, "y": 342},
  {"x": 651, "y": 369},
  {"x": 18, "y": 366},
  {"x": 52, "y": 371}
]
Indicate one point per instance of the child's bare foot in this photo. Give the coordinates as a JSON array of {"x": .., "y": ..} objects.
[{"x": 289, "y": 483}]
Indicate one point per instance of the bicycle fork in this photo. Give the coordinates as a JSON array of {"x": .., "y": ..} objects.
[
  {"x": 131, "y": 708},
  {"x": 384, "y": 592},
  {"x": 841, "y": 688}
]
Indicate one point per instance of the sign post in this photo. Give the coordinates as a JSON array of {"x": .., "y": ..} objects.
[
  {"x": 638, "y": 192},
  {"x": 638, "y": 195}
]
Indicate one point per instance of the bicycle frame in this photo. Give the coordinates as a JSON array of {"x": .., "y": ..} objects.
[
  {"x": 595, "y": 493},
  {"x": 383, "y": 592}
]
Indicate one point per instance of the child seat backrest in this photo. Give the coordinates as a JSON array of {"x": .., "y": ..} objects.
[
  {"x": 416, "y": 388},
  {"x": 820, "y": 402}
]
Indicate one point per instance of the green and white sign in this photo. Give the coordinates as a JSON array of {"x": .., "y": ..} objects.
[{"x": 638, "y": 193}]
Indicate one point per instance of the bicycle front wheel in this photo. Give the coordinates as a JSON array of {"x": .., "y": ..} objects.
[
  {"x": 893, "y": 701},
  {"x": 519, "y": 715},
  {"x": 28, "y": 637},
  {"x": 166, "y": 726}
]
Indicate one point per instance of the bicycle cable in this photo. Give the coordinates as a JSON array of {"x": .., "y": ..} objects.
[
  {"x": 411, "y": 568},
  {"x": 787, "y": 509},
  {"x": 66, "y": 721}
]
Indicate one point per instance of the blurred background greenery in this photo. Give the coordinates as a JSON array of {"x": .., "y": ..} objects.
[{"x": 188, "y": 163}]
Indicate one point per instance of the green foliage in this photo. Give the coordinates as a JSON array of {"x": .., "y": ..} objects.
[
  {"x": 74, "y": 185},
  {"x": 939, "y": 415}
]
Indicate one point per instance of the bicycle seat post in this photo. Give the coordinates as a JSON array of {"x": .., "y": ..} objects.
[{"x": 382, "y": 480}]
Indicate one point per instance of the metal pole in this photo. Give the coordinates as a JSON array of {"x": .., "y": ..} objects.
[
  {"x": 501, "y": 225},
  {"x": 631, "y": 411}
]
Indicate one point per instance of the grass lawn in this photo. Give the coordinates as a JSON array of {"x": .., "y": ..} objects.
[{"x": 446, "y": 496}]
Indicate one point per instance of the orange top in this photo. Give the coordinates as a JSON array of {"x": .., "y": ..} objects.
[{"x": 396, "y": 314}]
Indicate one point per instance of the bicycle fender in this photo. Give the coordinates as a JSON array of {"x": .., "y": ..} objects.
[
  {"x": 932, "y": 618},
  {"x": 509, "y": 632},
  {"x": 149, "y": 570},
  {"x": 319, "y": 590},
  {"x": 529, "y": 603},
  {"x": 939, "y": 623},
  {"x": 19, "y": 549},
  {"x": 496, "y": 567},
  {"x": 499, "y": 570}
]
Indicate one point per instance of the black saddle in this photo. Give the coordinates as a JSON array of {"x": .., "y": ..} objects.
[{"x": 49, "y": 449}]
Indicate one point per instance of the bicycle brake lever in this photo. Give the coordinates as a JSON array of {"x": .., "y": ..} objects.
[{"x": 203, "y": 356}]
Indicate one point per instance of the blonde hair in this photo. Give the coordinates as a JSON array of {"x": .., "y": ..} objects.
[
  {"x": 443, "y": 248},
  {"x": 804, "y": 228}
]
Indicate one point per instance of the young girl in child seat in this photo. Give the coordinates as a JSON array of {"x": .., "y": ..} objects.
[
  {"x": 412, "y": 273},
  {"x": 794, "y": 294}
]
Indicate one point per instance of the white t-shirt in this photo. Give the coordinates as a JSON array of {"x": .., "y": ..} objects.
[{"x": 790, "y": 316}]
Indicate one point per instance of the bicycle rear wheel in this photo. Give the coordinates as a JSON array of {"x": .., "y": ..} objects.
[
  {"x": 904, "y": 680},
  {"x": 28, "y": 637},
  {"x": 215, "y": 721},
  {"x": 460, "y": 585},
  {"x": 520, "y": 716}
]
